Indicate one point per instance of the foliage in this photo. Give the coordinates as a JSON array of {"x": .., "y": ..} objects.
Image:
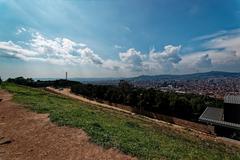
[
  {"x": 108, "y": 128},
  {"x": 30, "y": 82},
  {"x": 185, "y": 106}
]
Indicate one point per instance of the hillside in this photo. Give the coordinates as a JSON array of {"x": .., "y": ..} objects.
[{"x": 108, "y": 128}]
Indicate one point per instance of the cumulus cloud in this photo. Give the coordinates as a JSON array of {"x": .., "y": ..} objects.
[
  {"x": 204, "y": 61},
  {"x": 164, "y": 61},
  {"x": 152, "y": 62},
  {"x": 131, "y": 56},
  {"x": 170, "y": 54},
  {"x": 88, "y": 56},
  {"x": 133, "y": 59},
  {"x": 59, "y": 51},
  {"x": 219, "y": 51}
]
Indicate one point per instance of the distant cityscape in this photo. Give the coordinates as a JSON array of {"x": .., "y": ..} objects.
[
  {"x": 213, "y": 87},
  {"x": 213, "y": 84}
]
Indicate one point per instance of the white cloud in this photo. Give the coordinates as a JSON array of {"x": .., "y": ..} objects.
[
  {"x": 217, "y": 34},
  {"x": 226, "y": 43},
  {"x": 114, "y": 65},
  {"x": 15, "y": 50},
  {"x": 59, "y": 51},
  {"x": 132, "y": 58},
  {"x": 20, "y": 30},
  {"x": 164, "y": 61},
  {"x": 154, "y": 62},
  {"x": 204, "y": 62},
  {"x": 88, "y": 56},
  {"x": 170, "y": 54},
  {"x": 206, "y": 37},
  {"x": 219, "y": 51}
]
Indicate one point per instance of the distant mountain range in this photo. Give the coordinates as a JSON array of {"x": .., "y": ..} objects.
[{"x": 194, "y": 76}]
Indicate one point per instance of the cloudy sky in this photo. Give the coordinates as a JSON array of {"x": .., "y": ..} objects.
[{"x": 120, "y": 38}]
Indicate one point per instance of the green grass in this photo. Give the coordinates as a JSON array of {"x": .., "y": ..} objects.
[{"x": 112, "y": 129}]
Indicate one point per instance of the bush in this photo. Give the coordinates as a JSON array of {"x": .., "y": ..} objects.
[{"x": 185, "y": 106}]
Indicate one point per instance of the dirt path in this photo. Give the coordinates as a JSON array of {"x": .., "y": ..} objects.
[
  {"x": 30, "y": 136},
  {"x": 66, "y": 92},
  {"x": 174, "y": 127}
]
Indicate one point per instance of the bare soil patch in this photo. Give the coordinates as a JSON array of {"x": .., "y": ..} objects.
[{"x": 28, "y": 135}]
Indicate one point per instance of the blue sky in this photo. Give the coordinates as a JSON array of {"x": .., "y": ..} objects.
[{"x": 112, "y": 38}]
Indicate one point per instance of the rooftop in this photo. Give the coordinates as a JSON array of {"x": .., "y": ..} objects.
[
  {"x": 234, "y": 99},
  {"x": 214, "y": 116}
]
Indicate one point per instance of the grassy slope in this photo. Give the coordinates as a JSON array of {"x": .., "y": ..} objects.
[{"x": 112, "y": 129}]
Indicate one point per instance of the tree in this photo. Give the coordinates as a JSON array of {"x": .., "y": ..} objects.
[
  {"x": 0, "y": 80},
  {"x": 132, "y": 98},
  {"x": 183, "y": 108},
  {"x": 125, "y": 86},
  {"x": 161, "y": 103},
  {"x": 196, "y": 104}
]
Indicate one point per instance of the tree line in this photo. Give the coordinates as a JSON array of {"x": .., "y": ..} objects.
[
  {"x": 185, "y": 106},
  {"x": 61, "y": 83}
]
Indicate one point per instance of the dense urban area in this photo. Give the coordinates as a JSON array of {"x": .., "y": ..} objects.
[
  {"x": 213, "y": 87},
  {"x": 214, "y": 84}
]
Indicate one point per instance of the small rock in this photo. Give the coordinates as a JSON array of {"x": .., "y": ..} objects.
[
  {"x": 0, "y": 99},
  {"x": 5, "y": 140}
]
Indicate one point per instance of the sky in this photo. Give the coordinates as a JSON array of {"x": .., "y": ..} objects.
[{"x": 118, "y": 38}]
